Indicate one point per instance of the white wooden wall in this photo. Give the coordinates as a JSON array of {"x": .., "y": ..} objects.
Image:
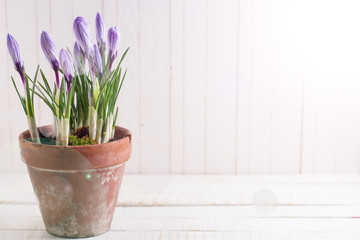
[{"x": 248, "y": 86}]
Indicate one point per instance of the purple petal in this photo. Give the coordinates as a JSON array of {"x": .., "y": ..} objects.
[
  {"x": 113, "y": 41},
  {"x": 100, "y": 31},
  {"x": 79, "y": 57},
  {"x": 82, "y": 35},
  {"x": 49, "y": 49},
  {"x": 66, "y": 64},
  {"x": 14, "y": 51}
]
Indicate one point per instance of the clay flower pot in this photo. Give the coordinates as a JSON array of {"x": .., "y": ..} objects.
[{"x": 76, "y": 186}]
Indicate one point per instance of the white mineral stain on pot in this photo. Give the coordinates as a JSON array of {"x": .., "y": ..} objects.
[
  {"x": 57, "y": 193},
  {"x": 107, "y": 176}
]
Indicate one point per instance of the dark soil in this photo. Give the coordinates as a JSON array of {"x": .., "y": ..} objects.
[
  {"x": 82, "y": 132},
  {"x": 51, "y": 139}
]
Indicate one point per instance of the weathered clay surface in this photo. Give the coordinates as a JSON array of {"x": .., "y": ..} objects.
[{"x": 77, "y": 200}]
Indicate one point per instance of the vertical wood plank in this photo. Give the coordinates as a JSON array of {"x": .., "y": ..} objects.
[
  {"x": 110, "y": 14},
  {"x": 326, "y": 124},
  {"x": 221, "y": 86},
  {"x": 127, "y": 19},
  {"x": 177, "y": 86},
  {"x": 261, "y": 91},
  {"x": 286, "y": 77},
  {"x": 347, "y": 60},
  {"x": 348, "y": 128},
  {"x": 195, "y": 34},
  {"x": 61, "y": 27},
  {"x": 309, "y": 125},
  {"x": 244, "y": 86},
  {"x": 325, "y": 68},
  {"x": 43, "y": 24},
  {"x": 154, "y": 86},
  {"x": 25, "y": 34},
  {"x": 6, "y": 86}
]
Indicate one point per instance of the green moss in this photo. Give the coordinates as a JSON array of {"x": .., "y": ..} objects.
[{"x": 75, "y": 140}]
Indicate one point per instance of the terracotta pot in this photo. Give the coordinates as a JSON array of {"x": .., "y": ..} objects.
[{"x": 76, "y": 186}]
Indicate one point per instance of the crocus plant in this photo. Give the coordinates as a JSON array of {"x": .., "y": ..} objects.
[{"x": 86, "y": 85}]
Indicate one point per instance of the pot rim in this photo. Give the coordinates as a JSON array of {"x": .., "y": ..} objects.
[{"x": 127, "y": 134}]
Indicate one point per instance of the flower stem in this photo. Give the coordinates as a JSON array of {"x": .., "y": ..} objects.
[
  {"x": 92, "y": 122},
  {"x": 33, "y": 129}
]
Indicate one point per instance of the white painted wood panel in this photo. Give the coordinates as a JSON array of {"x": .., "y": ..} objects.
[
  {"x": 243, "y": 127},
  {"x": 177, "y": 86},
  {"x": 286, "y": 77},
  {"x": 127, "y": 20},
  {"x": 195, "y": 62},
  {"x": 25, "y": 35},
  {"x": 6, "y": 85},
  {"x": 262, "y": 88},
  {"x": 62, "y": 18},
  {"x": 284, "y": 89},
  {"x": 43, "y": 23},
  {"x": 330, "y": 86},
  {"x": 154, "y": 86},
  {"x": 222, "y": 50}
]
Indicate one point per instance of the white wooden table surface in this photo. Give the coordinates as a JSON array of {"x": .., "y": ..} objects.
[{"x": 207, "y": 207}]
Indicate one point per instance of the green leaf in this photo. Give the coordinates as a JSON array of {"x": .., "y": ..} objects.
[
  {"x": 124, "y": 55},
  {"x": 20, "y": 98},
  {"x": 46, "y": 82},
  {"x": 52, "y": 108},
  {"x": 28, "y": 99},
  {"x": 61, "y": 98},
  {"x": 34, "y": 83},
  {"x": 69, "y": 100},
  {"x": 116, "y": 114}
]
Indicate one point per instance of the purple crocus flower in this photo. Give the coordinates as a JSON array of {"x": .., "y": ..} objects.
[
  {"x": 100, "y": 32},
  {"x": 49, "y": 49},
  {"x": 98, "y": 61},
  {"x": 79, "y": 57},
  {"x": 67, "y": 67},
  {"x": 113, "y": 42},
  {"x": 14, "y": 51},
  {"x": 82, "y": 35}
]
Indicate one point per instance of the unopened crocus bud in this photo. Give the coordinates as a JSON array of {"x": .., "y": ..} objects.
[
  {"x": 67, "y": 67},
  {"x": 82, "y": 35},
  {"x": 14, "y": 51},
  {"x": 98, "y": 61},
  {"x": 113, "y": 42},
  {"x": 100, "y": 32},
  {"x": 49, "y": 49},
  {"x": 79, "y": 57}
]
